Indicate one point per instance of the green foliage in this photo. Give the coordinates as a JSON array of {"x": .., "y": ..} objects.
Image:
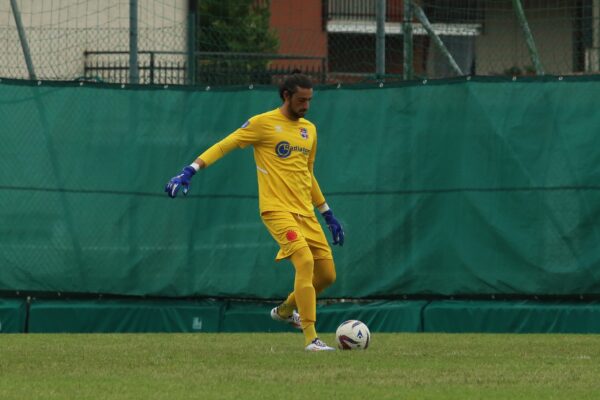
[
  {"x": 274, "y": 366},
  {"x": 238, "y": 26},
  {"x": 235, "y": 25}
]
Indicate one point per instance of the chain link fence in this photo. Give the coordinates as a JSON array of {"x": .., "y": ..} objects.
[
  {"x": 465, "y": 37},
  {"x": 232, "y": 42},
  {"x": 65, "y": 37}
]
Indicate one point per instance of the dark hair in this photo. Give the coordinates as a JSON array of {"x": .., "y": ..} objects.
[{"x": 292, "y": 82}]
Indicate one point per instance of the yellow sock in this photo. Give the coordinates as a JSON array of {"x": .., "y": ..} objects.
[
  {"x": 324, "y": 276},
  {"x": 286, "y": 308},
  {"x": 310, "y": 334},
  {"x": 304, "y": 292}
]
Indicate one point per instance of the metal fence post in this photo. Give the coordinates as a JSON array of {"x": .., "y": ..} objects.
[
  {"x": 533, "y": 53},
  {"x": 380, "y": 41},
  {"x": 420, "y": 14},
  {"x": 23, "y": 38},
  {"x": 134, "y": 76},
  {"x": 408, "y": 41},
  {"x": 191, "y": 42},
  {"x": 594, "y": 57},
  {"x": 152, "y": 68}
]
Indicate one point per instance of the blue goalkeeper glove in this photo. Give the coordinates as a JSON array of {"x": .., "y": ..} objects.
[
  {"x": 334, "y": 227},
  {"x": 180, "y": 181}
]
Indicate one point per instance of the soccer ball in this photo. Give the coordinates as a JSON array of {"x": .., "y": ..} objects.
[{"x": 352, "y": 335}]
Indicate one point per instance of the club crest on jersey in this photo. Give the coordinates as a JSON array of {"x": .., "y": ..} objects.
[{"x": 303, "y": 133}]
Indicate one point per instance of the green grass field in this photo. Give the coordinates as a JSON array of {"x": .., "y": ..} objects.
[{"x": 274, "y": 366}]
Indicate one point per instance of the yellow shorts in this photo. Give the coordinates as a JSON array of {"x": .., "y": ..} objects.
[{"x": 293, "y": 232}]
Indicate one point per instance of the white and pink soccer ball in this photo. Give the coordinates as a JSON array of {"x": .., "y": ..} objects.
[{"x": 353, "y": 335}]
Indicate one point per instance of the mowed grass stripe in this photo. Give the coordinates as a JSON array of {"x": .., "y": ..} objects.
[{"x": 274, "y": 366}]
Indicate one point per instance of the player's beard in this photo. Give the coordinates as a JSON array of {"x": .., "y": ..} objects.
[{"x": 298, "y": 114}]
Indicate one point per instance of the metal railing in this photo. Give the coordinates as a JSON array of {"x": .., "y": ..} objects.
[
  {"x": 114, "y": 67},
  {"x": 360, "y": 10},
  {"x": 212, "y": 68}
]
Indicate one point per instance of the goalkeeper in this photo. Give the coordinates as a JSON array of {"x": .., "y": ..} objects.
[{"x": 285, "y": 146}]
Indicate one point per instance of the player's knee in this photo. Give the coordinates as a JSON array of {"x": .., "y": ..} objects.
[
  {"x": 325, "y": 280},
  {"x": 304, "y": 265},
  {"x": 327, "y": 274},
  {"x": 303, "y": 261},
  {"x": 329, "y": 278},
  {"x": 304, "y": 274}
]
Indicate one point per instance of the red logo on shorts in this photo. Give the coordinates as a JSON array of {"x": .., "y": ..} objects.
[{"x": 291, "y": 235}]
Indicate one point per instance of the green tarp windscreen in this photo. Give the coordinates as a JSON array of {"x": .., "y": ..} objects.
[{"x": 458, "y": 187}]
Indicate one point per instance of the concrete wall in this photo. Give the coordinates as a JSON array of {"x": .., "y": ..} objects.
[
  {"x": 60, "y": 31},
  {"x": 502, "y": 44}
]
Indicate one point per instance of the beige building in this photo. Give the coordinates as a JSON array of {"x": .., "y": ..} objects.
[{"x": 59, "y": 34}]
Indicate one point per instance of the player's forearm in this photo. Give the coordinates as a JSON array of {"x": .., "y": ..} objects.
[
  {"x": 198, "y": 164},
  {"x": 216, "y": 152},
  {"x": 318, "y": 199}
]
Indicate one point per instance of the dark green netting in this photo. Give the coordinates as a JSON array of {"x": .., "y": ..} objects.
[{"x": 459, "y": 187}]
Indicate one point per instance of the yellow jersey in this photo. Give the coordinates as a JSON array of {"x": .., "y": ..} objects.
[{"x": 284, "y": 152}]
